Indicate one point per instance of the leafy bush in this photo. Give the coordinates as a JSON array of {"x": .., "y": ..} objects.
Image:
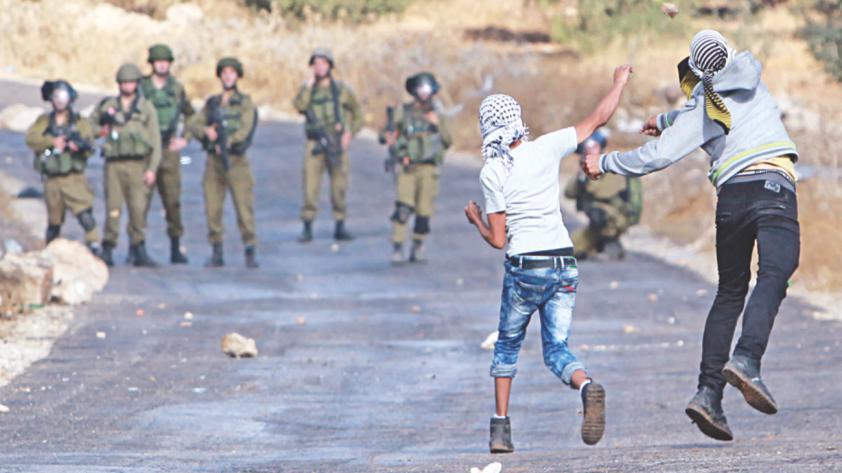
[
  {"x": 823, "y": 32},
  {"x": 352, "y": 10}
]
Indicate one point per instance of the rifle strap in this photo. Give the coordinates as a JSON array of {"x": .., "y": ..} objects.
[{"x": 337, "y": 109}]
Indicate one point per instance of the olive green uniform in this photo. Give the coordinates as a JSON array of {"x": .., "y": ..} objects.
[
  {"x": 417, "y": 183},
  {"x": 171, "y": 103},
  {"x": 63, "y": 173},
  {"x": 320, "y": 100},
  {"x": 240, "y": 116},
  {"x": 132, "y": 147},
  {"x": 606, "y": 203}
]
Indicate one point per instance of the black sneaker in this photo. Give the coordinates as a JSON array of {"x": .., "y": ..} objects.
[
  {"x": 593, "y": 403},
  {"x": 501, "y": 436},
  {"x": 744, "y": 374},
  {"x": 141, "y": 258},
  {"x": 705, "y": 410}
]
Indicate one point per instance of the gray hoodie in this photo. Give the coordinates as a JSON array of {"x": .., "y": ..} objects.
[{"x": 757, "y": 132}]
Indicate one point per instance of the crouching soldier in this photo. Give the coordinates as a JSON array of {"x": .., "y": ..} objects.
[
  {"x": 226, "y": 125},
  {"x": 417, "y": 136},
  {"x": 612, "y": 205},
  {"x": 132, "y": 151},
  {"x": 62, "y": 142}
]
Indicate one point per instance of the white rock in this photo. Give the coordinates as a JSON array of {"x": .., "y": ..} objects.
[
  {"x": 238, "y": 346},
  {"x": 4, "y": 409},
  {"x": 26, "y": 280},
  {"x": 495, "y": 467},
  {"x": 19, "y": 117},
  {"x": 184, "y": 14},
  {"x": 490, "y": 340},
  {"x": 77, "y": 273}
]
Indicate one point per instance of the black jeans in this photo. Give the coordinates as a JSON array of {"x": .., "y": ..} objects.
[{"x": 746, "y": 213}]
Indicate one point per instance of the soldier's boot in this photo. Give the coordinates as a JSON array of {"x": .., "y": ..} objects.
[
  {"x": 216, "y": 260},
  {"x": 397, "y": 253},
  {"x": 417, "y": 254},
  {"x": 251, "y": 257},
  {"x": 340, "y": 233},
  {"x": 141, "y": 257},
  {"x": 93, "y": 248},
  {"x": 176, "y": 255},
  {"x": 53, "y": 231},
  {"x": 306, "y": 233},
  {"x": 107, "y": 254},
  {"x": 614, "y": 250}
]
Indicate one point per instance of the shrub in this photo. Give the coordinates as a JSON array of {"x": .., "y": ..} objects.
[
  {"x": 823, "y": 32},
  {"x": 352, "y": 10}
]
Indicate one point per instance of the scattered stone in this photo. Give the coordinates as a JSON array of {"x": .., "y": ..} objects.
[
  {"x": 10, "y": 245},
  {"x": 162, "y": 306},
  {"x": 669, "y": 9},
  {"x": 3, "y": 409},
  {"x": 652, "y": 297},
  {"x": 186, "y": 324},
  {"x": 460, "y": 281},
  {"x": 490, "y": 340},
  {"x": 495, "y": 467},
  {"x": 614, "y": 285},
  {"x": 415, "y": 309},
  {"x": 139, "y": 312},
  {"x": 702, "y": 292},
  {"x": 300, "y": 320},
  {"x": 188, "y": 316},
  {"x": 671, "y": 320},
  {"x": 629, "y": 329},
  {"x": 299, "y": 277},
  {"x": 101, "y": 335},
  {"x": 238, "y": 346},
  {"x": 334, "y": 247}
]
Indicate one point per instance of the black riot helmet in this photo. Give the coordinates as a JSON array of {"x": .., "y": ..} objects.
[
  {"x": 420, "y": 80},
  {"x": 51, "y": 86}
]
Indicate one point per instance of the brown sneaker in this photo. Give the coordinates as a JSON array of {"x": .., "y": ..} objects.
[{"x": 593, "y": 402}]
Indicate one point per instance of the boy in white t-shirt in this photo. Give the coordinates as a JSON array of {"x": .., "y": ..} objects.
[{"x": 520, "y": 183}]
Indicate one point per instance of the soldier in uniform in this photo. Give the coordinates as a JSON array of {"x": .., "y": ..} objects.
[
  {"x": 132, "y": 151},
  {"x": 333, "y": 117},
  {"x": 612, "y": 204},
  {"x": 417, "y": 136},
  {"x": 173, "y": 107},
  {"x": 225, "y": 126},
  {"x": 62, "y": 142}
]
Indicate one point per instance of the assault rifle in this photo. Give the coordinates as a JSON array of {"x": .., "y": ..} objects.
[
  {"x": 217, "y": 120},
  {"x": 328, "y": 143}
]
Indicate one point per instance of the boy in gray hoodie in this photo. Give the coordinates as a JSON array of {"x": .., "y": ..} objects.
[{"x": 732, "y": 116}]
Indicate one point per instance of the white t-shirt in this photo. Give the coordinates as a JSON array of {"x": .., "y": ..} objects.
[{"x": 529, "y": 193}]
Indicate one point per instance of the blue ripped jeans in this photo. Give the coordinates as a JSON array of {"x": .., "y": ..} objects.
[{"x": 550, "y": 291}]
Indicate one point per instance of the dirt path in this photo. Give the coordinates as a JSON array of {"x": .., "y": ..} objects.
[{"x": 368, "y": 367}]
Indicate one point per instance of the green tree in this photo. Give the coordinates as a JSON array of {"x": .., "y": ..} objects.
[{"x": 823, "y": 32}]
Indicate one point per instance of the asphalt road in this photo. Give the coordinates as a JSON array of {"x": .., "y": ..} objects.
[{"x": 367, "y": 367}]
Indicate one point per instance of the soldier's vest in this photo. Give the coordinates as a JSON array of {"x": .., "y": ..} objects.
[
  {"x": 130, "y": 135},
  {"x": 51, "y": 163},
  {"x": 167, "y": 102},
  {"x": 418, "y": 138},
  {"x": 231, "y": 115},
  {"x": 326, "y": 106},
  {"x": 621, "y": 192}
]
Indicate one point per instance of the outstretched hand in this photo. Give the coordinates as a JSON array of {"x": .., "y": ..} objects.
[
  {"x": 622, "y": 73},
  {"x": 590, "y": 166}
]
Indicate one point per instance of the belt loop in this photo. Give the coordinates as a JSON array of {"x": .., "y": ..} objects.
[{"x": 520, "y": 262}]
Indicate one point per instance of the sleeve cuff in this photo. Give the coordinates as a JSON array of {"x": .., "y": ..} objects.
[{"x": 602, "y": 164}]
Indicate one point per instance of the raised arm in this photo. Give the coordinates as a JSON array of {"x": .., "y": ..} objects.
[{"x": 607, "y": 105}]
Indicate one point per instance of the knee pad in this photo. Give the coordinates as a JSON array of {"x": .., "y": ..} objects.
[
  {"x": 86, "y": 219},
  {"x": 53, "y": 231},
  {"x": 422, "y": 225},
  {"x": 402, "y": 213}
]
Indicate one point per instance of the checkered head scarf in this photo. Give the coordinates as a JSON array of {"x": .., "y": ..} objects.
[
  {"x": 501, "y": 124},
  {"x": 709, "y": 54}
]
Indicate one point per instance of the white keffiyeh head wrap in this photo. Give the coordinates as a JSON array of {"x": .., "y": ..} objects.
[{"x": 501, "y": 124}]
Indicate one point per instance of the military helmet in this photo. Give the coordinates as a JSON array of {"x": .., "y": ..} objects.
[
  {"x": 599, "y": 137},
  {"x": 229, "y": 62},
  {"x": 416, "y": 81},
  {"x": 128, "y": 72},
  {"x": 51, "y": 86},
  {"x": 160, "y": 52},
  {"x": 323, "y": 53}
]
